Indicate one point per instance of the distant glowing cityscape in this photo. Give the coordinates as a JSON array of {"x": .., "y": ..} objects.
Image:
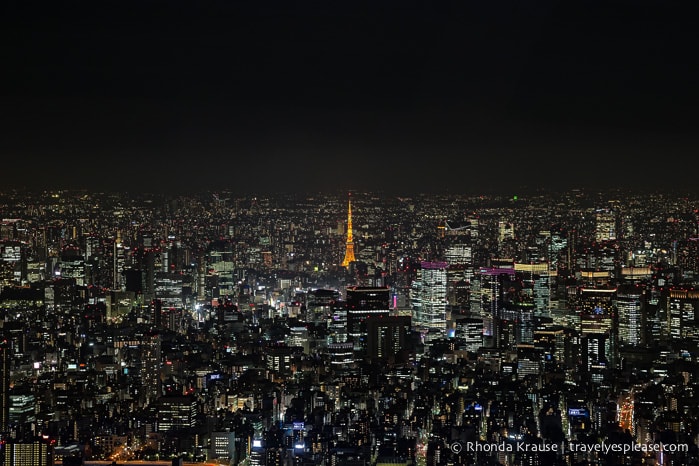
[{"x": 340, "y": 329}]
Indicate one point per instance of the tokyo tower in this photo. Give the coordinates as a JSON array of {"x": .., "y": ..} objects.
[{"x": 349, "y": 248}]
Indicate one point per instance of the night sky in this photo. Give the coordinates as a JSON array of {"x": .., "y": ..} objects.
[{"x": 404, "y": 96}]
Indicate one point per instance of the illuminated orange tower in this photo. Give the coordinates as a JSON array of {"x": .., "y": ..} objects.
[{"x": 349, "y": 249}]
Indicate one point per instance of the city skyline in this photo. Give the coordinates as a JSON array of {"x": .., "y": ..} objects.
[
  {"x": 457, "y": 97},
  {"x": 551, "y": 329},
  {"x": 276, "y": 233}
]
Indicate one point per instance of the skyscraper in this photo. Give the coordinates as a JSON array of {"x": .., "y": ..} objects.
[
  {"x": 631, "y": 310},
  {"x": 118, "y": 263},
  {"x": 387, "y": 337},
  {"x": 598, "y": 325},
  {"x": 469, "y": 330},
  {"x": 494, "y": 283},
  {"x": 605, "y": 225},
  {"x": 596, "y": 309},
  {"x": 223, "y": 445},
  {"x": 4, "y": 383},
  {"x": 430, "y": 305},
  {"x": 365, "y": 302},
  {"x": 682, "y": 310},
  {"x": 176, "y": 412},
  {"x": 349, "y": 245},
  {"x": 150, "y": 365}
]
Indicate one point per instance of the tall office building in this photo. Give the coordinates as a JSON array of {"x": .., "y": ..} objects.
[
  {"x": 682, "y": 313},
  {"x": 539, "y": 278},
  {"x": 223, "y": 445},
  {"x": 118, "y": 263},
  {"x": 71, "y": 264},
  {"x": 150, "y": 365},
  {"x": 514, "y": 325},
  {"x": 319, "y": 304},
  {"x": 458, "y": 254},
  {"x": 558, "y": 344},
  {"x": 430, "y": 302},
  {"x": 22, "y": 412},
  {"x": 469, "y": 330},
  {"x": 494, "y": 282},
  {"x": 5, "y": 350},
  {"x": 364, "y": 302},
  {"x": 459, "y": 258},
  {"x": 688, "y": 257},
  {"x": 506, "y": 231},
  {"x": 595, "y": 351},
  {"x": 349, "y": 243},
  {"x": 176, "y": 412},
  {"x": 387, "y": 338},
  {"x": 631, "y": 309},
  {"x": 337, "y": 323},
  {"x": 298, "y": 337},
  {"x": 605, "y": 225},
  {"x": 278, "y": 358},
  {"x": 341, "y": 354},
  {"x": 458, "y": 289},
  {"x": 140, "y": 346},
  {"x": 595, "y": 306},
  {"x": 598, "y": 323},
  {"x": 219, "y": 264},
  {"x": 156, "y": 313}
]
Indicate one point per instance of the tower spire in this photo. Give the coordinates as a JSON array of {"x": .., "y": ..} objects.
[{"x": 349, "y": 244}]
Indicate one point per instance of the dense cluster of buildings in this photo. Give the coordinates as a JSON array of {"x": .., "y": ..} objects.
[{"x": 375, "y": 330}]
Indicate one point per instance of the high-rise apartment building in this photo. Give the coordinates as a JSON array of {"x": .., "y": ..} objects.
[{"x": 32, "y": 453}]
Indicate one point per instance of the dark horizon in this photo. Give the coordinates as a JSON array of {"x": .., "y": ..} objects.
[{"x": 395, "y": 97}]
